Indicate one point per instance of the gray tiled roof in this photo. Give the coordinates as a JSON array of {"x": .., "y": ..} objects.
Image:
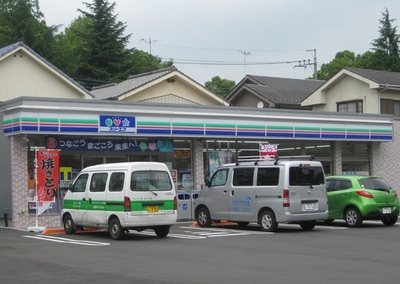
[
  {"x": 132, "y": 83},
  {"x": 380, "y": 77},
  {"x": 10, "y": 48},
  {"x": 284, "y": 90}
]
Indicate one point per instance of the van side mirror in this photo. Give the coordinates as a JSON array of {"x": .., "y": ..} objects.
[
  {"x": 208, "y": 183},
  {"x": 71, "y": 187}
]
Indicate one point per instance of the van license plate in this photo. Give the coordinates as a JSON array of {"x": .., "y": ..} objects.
[
  {"x": 309, "y": 206},
  {"x": 386, "y": 210},
  {"x": 152, "y": 209}
]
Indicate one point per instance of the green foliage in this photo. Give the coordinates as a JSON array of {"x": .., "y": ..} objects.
[
  {"x": 69, "y": 45},
  {"x": 21, "y": 20},
  {"x": 103, "y": 43},
  {"x": 385, "y": 54},
  {"x": 342, "y": 59},
  {"x": 219, "y": 86},
  {"x": 94, "y": 48},
  {"x": 386, "y": 47}
]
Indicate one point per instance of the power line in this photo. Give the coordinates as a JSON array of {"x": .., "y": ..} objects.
[
  {"x": 224, "y": 49},
  {"x": 209, "y": 62}
]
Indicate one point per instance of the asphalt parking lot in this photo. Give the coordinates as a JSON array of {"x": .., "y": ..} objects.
[{"x": 219, "y": 254}]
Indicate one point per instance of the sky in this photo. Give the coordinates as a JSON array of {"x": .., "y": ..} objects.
[{"x": 234, "y": 38}]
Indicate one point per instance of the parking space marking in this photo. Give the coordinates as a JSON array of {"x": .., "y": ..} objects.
[
  {"x": 180, "y": 236},
  {"x": 67, "y": 241},
  {"x": 219, "y": 232}
]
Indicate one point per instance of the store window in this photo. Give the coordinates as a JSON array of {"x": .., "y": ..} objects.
[
  {"x": 355, "y": 157},
  {"x": 219, "y": 152},
  {"x": 176, "y": 154}
]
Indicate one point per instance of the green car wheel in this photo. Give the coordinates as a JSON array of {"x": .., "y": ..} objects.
[
  {"x": 353, "y": 217},
  {"x": 389, "y": 221}
]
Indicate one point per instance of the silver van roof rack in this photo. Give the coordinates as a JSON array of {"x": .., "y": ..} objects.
[{"x": 257, "y": 159}]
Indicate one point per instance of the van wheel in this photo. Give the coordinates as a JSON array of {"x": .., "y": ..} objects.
[
  {"x": 242, "y": 224},
  {"x": 389, "y": 221},
  {"x": 162, "y": 231},
  {"x": 203, "y": 217},
  {"x": 267, "y": 221},
  {"x": 69, "y": 225},
  {"x": 115, "y": 229},
  {"x": 328, "y": 221},
  {"x": 308, "y": 225},
  {"x": 353, "y": 217}
]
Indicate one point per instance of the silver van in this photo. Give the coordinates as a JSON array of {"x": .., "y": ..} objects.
[{"x": 285, "y": 190}]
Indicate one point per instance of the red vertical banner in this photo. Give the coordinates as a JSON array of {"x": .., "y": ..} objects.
[
  {"x": 47, "y": 176},
  {"x": 268, "y": 151}
]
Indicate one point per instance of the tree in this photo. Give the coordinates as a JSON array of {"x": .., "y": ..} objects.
[
  {"x": 140, "y": 62},
  {"x": 21, "y": 20},
  {"x": 69, "y": 45},
  {"x": 386, "y": 47},
  {"x": 103, "y": 43},
  {"x": 342, "y": 59},
  {"x": 221, "y": 87}
]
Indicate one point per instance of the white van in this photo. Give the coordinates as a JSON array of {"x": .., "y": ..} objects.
[
  {"x": 286, "y": 190},
  {"x": 121, "y": 197}
]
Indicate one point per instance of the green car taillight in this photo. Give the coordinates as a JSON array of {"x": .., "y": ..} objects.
[{"x": 364, "y": 194}]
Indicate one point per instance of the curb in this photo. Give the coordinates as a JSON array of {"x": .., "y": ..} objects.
[
  {"x": 222, "y": 222},
  {"x": 61, "y": 231}
]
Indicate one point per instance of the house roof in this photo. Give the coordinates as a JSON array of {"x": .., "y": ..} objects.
[
  {"x": 139, "y": 82},
  {"x": 276, "y": 90},
  {"x": 375, "y": 79},
  {"x": 381, "y": 77},
  {"x": 133, "y": 82},
  {"x": 10, "y": 49}
]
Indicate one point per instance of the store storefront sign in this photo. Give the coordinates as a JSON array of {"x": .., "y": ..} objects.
[{"x": 109, "y": 144}]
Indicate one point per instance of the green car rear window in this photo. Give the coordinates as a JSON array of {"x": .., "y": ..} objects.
[{"x": 374, "y": 183}]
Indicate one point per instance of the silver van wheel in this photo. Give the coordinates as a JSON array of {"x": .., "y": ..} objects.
[
  {"x": 267, "y": 221},
  {"x": 308, "y": 225},
  {"x": 115, "y": 229},
  {"x": 203, "y": 217}
]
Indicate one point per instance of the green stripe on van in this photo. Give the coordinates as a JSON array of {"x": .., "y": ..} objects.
[{"x": 100, "y": 205}]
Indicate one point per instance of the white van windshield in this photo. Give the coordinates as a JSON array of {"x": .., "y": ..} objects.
[{"x": 150, "y": 181}]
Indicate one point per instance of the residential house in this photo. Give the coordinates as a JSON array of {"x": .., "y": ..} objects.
[
  {"x": 355, "y": 90},
  {"x": 272, "y": 92},
  {"x": 161, "y": 86}
]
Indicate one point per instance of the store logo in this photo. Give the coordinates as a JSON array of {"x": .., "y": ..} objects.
[
  {"x": 51, "y": 143},
  {"x": 117, "y": 123}
]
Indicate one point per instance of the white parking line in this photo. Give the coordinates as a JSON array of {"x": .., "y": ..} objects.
[{"x": 67, "y": 241}]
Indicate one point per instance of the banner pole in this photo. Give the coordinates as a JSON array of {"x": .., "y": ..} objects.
[{"x": 36, "y": 228}]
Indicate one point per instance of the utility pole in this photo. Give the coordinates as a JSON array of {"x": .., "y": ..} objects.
[
  {"x": 245, "y": 53},
  {"x": 315, "y": 61},
  {"x": 149, "y": 41},
  {"x": 304, "y": 64}
]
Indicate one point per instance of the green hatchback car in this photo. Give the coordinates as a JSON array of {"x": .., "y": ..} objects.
[{"x": 358, "y": 198}]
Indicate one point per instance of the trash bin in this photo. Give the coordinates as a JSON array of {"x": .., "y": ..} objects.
[{"x": 185, "y": 204}]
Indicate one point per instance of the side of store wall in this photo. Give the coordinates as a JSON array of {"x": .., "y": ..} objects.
[
  {"x": 385, "y": 158},
  {"x": 19, "y": 165}
]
